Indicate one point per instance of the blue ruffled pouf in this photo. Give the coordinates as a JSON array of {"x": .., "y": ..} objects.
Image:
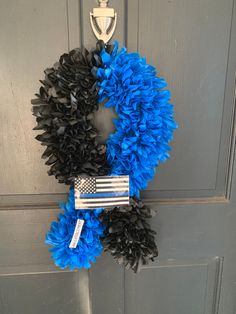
[{"x": 61, "y": 232}]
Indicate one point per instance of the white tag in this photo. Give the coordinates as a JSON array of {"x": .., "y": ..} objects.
[{"x": 76, "y": 235}]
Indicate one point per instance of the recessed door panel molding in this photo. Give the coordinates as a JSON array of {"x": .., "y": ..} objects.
[
  {"x": 38, "y": 293},
  {"x": 27, "y": 273},
  {"x": 187, "y": 286},
  {"x": 22, "y": 234},
  {"x": 191, "y": 45},
  {"x": 74, "y": 11},
  {"x": 33, "y": 35}
]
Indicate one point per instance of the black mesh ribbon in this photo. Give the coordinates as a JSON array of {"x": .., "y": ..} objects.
[
  {"x": 128, "y": 236},
  {"x": 64, "y": 110}
]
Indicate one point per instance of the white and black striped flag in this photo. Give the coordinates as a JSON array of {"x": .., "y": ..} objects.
[{"x": 101, "y": 192}]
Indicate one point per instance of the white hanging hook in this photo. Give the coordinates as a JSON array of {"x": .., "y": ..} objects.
[{"x": 103, "y": 21}]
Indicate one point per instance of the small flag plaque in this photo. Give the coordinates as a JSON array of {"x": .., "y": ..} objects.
[{"x": 101, "y": 192}]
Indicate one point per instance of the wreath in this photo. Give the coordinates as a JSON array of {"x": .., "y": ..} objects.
[{"x": 70, "y": 95}]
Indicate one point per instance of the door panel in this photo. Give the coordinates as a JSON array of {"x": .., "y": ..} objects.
[
  {"x": 29, "y": 282},
  {"x": 33, "y": 35},
  {"x": 189, "y": 41},
  {"x": 26, "y": 29},
  {"x": 187, "y": 287},
  {"x": 43, "y": 293}
]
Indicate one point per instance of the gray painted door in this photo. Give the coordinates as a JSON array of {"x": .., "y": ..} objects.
[{"x": 193, "y": 44}]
